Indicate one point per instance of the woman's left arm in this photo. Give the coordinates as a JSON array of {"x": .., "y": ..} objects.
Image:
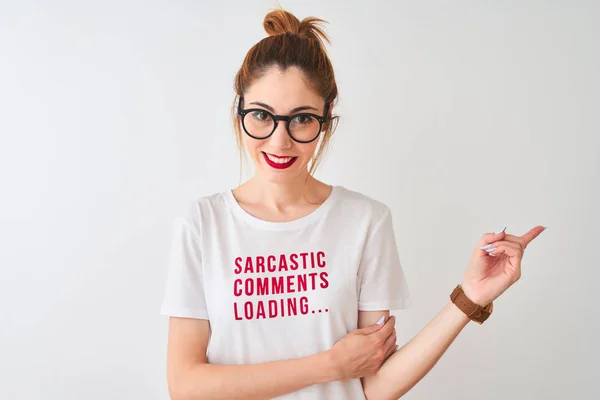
[{"x": 494, "y": 266}]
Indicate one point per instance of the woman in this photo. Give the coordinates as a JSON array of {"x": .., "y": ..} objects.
[{"x": 282, "y": 287}]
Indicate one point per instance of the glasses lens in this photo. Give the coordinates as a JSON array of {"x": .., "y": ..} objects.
[
  {"x": 258, "y": 123},
  {"x": 304, "y": 127}
]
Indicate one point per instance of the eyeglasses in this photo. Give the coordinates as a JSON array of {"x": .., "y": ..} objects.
[{"x": 259, "y": 123}]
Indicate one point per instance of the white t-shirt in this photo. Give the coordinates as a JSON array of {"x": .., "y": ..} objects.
[{"x": 284, "y": 290}]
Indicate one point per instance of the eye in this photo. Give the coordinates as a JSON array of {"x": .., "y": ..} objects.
[
  {"x": 302, "y": 119},
  {"x": 260, "y": 115}
]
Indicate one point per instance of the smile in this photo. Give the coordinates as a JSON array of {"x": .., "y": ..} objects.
[{"x": 279, "y": 162}]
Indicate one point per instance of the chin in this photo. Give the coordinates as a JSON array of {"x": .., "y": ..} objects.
[
  {"x": 272, "y": 175},
  {"x": 277, "y": 176}
]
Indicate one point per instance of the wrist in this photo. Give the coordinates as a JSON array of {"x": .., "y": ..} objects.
[
  {"x": 458, "y": 314},
  {"x": 470, "y": 308},
  {"x": 471, "y": 295},
  {"x": 330, "y": 370}
]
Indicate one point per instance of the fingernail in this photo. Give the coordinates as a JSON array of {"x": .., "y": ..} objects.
[
  {"x": 497, "y": 233},
  {"x": 380, "y": 321},
  {"x": 487, "y": 246},
  {"x": 490, "y": 250},
  {"x": 397, "y": 347}
]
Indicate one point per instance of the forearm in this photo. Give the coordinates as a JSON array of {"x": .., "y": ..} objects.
[
  {"x": 252, "y": 381},
  {"x": 414, "y": 360}
]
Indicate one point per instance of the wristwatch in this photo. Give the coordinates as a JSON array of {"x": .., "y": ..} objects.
[{"x": 474, "y": 311}]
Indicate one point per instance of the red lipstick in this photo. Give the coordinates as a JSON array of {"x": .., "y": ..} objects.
[{"x": 279, "y": 166}]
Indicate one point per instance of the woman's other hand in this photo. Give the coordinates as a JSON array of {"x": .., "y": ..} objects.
[
  {"x": 362, "y": 352},
  {"x": 495, "y": 265}
]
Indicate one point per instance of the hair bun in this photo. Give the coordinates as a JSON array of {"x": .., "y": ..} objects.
[{"x": 279, "y": 22}]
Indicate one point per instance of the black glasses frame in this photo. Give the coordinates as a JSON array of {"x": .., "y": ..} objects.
[{"x": 287, "y": 118}]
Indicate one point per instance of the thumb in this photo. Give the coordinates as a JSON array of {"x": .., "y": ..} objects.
[
  {"x": 373, "y": 328},
  {"x": 489, "y": 238}
]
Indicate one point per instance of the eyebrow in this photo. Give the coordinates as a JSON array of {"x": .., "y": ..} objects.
[{"x": 268, "y": 107}]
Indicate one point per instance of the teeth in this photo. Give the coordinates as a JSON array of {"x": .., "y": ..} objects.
[{"x": 279, "y": 160}]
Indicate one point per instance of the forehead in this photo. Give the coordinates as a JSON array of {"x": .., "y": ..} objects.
[{"x": 283, "y": 90}]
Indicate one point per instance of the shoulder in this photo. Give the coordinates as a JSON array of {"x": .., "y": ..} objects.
[
  {"x": 355, "y": 202},
  {"x": 209, "y": 203},
  {"x": 202, "y": 208}
]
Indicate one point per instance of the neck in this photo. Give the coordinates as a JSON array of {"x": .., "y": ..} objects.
[{"x": 281, "y": 195}]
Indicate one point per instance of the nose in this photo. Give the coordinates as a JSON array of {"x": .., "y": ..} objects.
[{"x": 280, "y": 138}]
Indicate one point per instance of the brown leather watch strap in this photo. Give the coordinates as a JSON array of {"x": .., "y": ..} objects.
[{"x": 474, "y": 311}]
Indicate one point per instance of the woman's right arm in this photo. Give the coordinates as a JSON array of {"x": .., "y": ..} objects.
[{"x": 191, "y": 377}]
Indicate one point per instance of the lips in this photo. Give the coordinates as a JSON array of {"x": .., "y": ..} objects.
[{"x": 276, "y": 165}]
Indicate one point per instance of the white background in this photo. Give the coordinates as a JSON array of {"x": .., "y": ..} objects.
[{"x": 463, "y": 116}]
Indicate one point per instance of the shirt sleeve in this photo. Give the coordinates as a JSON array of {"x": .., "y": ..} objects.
[
  {"x": 381, "y": 281},
  {"x": 184, "y": 289}
]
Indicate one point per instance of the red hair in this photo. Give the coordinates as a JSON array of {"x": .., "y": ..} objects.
[{"x": 291, "y": 43}]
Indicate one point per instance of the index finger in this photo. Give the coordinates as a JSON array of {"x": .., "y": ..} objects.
[{"x": 532, "y": 234}]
